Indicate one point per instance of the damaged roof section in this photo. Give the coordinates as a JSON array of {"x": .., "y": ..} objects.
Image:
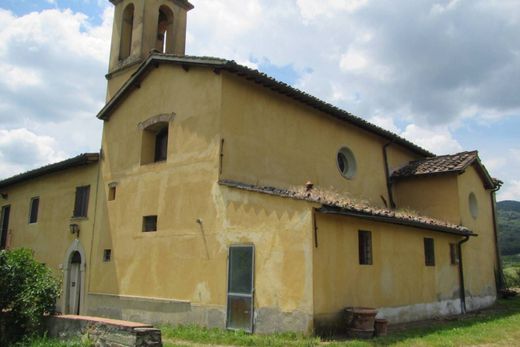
[
  {"x": 453, "y": 163},
  {"x": 334, "y": 203},
  {"x": 80, "y": 160}
]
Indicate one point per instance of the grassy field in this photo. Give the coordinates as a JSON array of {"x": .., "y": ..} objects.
[{"x": 499, "y": 326}]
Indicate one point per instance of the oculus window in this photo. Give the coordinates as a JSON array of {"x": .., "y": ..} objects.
[
  {"x": 346, "y": 163},
  {"x": 473, "y": 205}
]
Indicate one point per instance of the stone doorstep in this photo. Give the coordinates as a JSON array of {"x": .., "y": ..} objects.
[{"x": 104, "y": 331}]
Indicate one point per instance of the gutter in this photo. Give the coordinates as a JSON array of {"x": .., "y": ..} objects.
[
  {"x": 500, "y": 279},
  {"x": 387, "y": 175},
  {"x": 461, "y": 276}
]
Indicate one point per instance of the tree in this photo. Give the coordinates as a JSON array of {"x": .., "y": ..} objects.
[{"x": 28, "y": 290}]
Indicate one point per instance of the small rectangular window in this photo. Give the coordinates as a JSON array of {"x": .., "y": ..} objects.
[
  {"x": 149, "y": 223},
  {"x": 81, "y": 202},
  {"x": 429, "y": 252},
  {"x": 33, "y": 210},
  {"x": 365, "y": 247},
  {"x": 107, "y": 255},
  {"x": 454, "y": 254},
  {"x": 111, "y": 193}
]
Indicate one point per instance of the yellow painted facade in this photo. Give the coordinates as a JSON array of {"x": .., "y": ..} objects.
[
  {"x": 50, "y": 238},
  {"x": 224, "y": 127}
]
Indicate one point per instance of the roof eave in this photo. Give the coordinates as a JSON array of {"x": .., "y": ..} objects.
[
  {"x": 431, "y": 227},
  {"x": 80, "y": 160}
]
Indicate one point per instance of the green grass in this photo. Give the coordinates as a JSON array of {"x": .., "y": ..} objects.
[
  {"x": 47, "y": 342},
  {"x": 178, "y": 334},
  {"x": 497, "y": 327}
]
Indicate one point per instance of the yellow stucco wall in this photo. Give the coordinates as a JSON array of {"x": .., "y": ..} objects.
[
  {"x": 479, "y": 253},
  {"x": 435, "y": 196},
  {"x": 177, "y": 190},
  {"x": 186, "y": 260},
  {"x": 398, "y": 276},
  {"x": 50, "y": 237},
  {"x": 273, "y": 140}
]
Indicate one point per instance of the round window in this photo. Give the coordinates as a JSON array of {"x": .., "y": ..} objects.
[
  {"x": 473, "y": 205},
  {"x": 346, "y": 162}
]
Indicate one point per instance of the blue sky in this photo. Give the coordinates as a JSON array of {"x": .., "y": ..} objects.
[{"x": 445, "y": 74}]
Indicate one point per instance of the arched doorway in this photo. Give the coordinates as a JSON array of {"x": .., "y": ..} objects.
[
  {"x": 74, "y": 279},
  {"x": 74, "y": 285}
]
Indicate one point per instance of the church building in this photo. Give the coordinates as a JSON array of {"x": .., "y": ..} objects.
[{"x": 224, "y": 198}]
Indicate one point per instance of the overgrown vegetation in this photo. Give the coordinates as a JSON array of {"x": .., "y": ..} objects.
[
  {"x": 28, "y": 290},
  {"x": 508, "y": 214}
]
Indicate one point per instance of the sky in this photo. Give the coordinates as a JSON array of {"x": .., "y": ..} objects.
[{"x": 444, "y": 74}]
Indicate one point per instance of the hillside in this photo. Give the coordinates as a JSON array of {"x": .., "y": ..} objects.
[{"x": 508, "y": 213}]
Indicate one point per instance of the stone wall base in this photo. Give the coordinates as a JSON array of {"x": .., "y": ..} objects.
[
  {"x": 104, "y": 332},
  {"x": 164, "y": 311},
  {"x": 327, "y": 324}
]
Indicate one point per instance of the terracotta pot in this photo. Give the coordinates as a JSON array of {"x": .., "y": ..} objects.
[
  {"x": 361, "y": 318},
  {"x": 381, "y": 327}
]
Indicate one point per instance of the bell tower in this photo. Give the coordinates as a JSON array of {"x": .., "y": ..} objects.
[{"x": 140, "y": 27}]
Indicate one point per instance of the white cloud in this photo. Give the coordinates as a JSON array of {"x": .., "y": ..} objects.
[
  {"x": 510, "y": 191},
  {"x": 310, "y": 9},
  {"x": 438, "y": 140},
  {"x": 21, "y": 149},
  {"x": 53, "y": 64},
  {"x": 353, "y": 61}
]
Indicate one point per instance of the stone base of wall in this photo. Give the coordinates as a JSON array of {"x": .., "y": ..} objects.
[
  {"x": 327, "y": 324},
  {"x": 163, "y": 311},
  {"x": 104, "y": 332}
]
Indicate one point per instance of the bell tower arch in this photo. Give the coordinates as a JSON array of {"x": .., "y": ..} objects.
[{"x": 140, "y": 27}]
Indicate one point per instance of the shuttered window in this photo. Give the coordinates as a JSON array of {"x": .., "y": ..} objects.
[
  {"x": 149, "y": 223},
  {"x": 429, "y": 252},
  {"x": 81, "y": 203},
  {"x": 365, "y": 247}
]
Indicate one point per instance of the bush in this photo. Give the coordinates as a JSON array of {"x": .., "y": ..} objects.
[
  {"x": 28, "y": 290},
  {"x": 512, "y": 277}
]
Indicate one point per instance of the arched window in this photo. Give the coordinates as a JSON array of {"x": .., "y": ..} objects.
[
  {"x": 127, "y": 26},
  {"x": 154, "y": 144},
  {"x": 165, "y": 37}
]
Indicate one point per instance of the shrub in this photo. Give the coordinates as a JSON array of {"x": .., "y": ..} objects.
[
  {"x": 512, "y": 277},
  {"x": 28, "y": 290}
]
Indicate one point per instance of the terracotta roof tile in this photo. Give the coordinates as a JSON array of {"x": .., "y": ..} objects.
[
  {"x": 435, "y": 165},
  {"x": 335, "y": 203}
]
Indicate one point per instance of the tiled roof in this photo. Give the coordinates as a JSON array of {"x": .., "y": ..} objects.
[
  {"x": 254, "y": 76},
  {"x": 82, "y": 159},
  {"x": 441, "y": 164},
  {"x": 454, "y": 163},
  {"x": 334, "y": 203}
]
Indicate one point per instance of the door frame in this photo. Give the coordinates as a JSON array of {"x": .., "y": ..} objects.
[
  {"x": 74, "y": 247},
  {"x": 252, "y": 295}
]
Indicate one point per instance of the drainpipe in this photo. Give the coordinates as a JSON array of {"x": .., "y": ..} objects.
[
  {"x": 500, "y": 279},
  {"x": 461, "y": 276},
  {"x": 387, "y": 175}
]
